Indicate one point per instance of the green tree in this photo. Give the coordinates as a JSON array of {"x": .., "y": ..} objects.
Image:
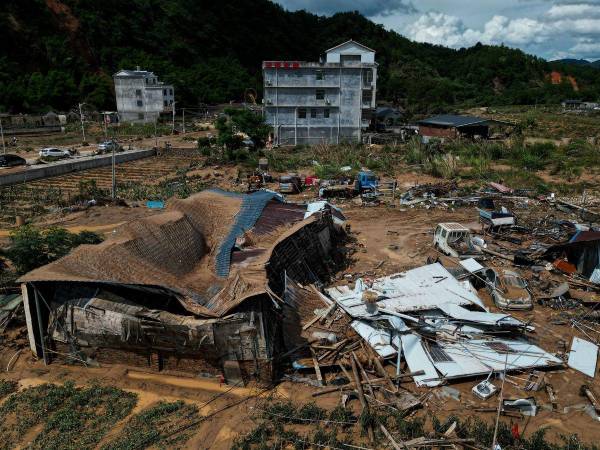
[
  {"x": 250, "y": 123},
  {"x": 31, "y": 247}
]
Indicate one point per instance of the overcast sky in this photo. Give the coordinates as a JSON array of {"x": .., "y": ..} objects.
[{"x": 551, "y": 29}]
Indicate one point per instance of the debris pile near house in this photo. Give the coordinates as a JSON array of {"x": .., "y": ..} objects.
[{"x": 367, "y": 338}]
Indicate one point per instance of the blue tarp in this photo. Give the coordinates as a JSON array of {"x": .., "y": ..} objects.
[{"x": 250, "y": 211}]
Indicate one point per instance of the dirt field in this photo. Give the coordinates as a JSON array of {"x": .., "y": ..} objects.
[{"x": 390, "y": 240}]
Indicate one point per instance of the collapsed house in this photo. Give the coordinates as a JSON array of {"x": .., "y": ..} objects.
[
  {"x": 196, "y": 289},
  {"x": 438, "y": 325}
]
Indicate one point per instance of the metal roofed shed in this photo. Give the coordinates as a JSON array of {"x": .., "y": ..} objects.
[
  {"x": 449, "y": 126},
  {"x": 187, "y": 289}
]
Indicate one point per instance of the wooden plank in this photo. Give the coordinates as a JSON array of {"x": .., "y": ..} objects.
[
  {"x": 317, "y": 368},
  {"x": 390, "y": 438},
  {"x": 361, "y": 395}
]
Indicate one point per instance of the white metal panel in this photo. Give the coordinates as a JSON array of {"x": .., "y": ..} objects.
[
  {"x": 418, "y": 359},
  {"x": 471, "y": 265},
  {"x": 483, "y": 318},
  {"x": 583, "y": 356},
  {"x": 522, "y": 354},
  {"x": 420, "y": 289},
  {"x": 378, "y": 339}
]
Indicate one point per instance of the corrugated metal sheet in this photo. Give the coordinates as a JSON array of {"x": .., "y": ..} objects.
[
  {"x": 423, "y": 288},
  {"x": 276, "y": 214},
  {"x": 482, "y": 318},
  {"x": 470, "y": 265},
  {"x": 583, "y": 356},
  {"x": 250, "y": 211},
  {"x": 378, "y": 338}
]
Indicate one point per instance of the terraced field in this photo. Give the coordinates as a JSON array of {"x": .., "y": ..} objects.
[{"x": 136, "y": 180}]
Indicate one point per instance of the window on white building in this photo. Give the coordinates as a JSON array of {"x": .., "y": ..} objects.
[
  {"x": 301, "y": 113},
  {"x": 319, "y": 74},
  {"x": 313, "y": 113},
  {"x": 138, "y": 92},
  {"x": 140, "y": 103},
  {"x": 349, "y": 58},
  {"x": 326, "y": 113},
  {"x": 320, "y": 94}
]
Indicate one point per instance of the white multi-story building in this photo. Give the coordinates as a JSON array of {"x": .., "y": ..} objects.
[
  {"x": 330, "y": 101},
  {"x": 140, "y": 96}
]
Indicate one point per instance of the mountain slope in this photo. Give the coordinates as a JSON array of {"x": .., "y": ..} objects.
[
  {"x": 579, "y": 62},
  {"x": 55, "y": 53}
]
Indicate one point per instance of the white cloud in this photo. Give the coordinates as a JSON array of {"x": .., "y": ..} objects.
[
  {"x": 573, "y": 10},
  {"x": 586, "y": 47},
  {"x": 548, "y": 28},
  {"x": 579, "y": 26},
  {"x": 439, "y": 28},
  {"x": 571, "y": 29}
]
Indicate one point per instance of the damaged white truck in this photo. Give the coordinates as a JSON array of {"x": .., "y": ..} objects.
[{"x": 454, "y": 239}]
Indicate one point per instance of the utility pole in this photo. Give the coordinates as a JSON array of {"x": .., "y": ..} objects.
[
  {"x": 183, "y": 112},
  {"x": 2, "y": 134},
  {"x": 81, "y": 118},
  {"x": 173, "y": 126},
  {"x": 114, "y": 175},
  {"x": 104, "y": 124},
  {"x": 155, "y": 135}
]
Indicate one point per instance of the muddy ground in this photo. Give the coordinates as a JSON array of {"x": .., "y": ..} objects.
[{"x": 389, "y": 240}]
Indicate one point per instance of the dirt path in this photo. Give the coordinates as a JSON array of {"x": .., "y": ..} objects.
[{"x": 102, "y": 229}]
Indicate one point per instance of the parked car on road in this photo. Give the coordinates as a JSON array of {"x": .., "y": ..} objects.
[
  {"x": 508, "y": 289},
  {"x": 108, "y": 147},
  {"x": 52, "y": 152},
  {"x": 11, "y": 161}
]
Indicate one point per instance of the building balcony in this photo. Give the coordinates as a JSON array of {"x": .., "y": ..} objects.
[
  {"x": 303, "y": 84},
  {"x": 302, "y": 103}
]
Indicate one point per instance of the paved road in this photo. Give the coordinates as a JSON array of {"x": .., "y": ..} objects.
[{"x": 73, "y": 164}]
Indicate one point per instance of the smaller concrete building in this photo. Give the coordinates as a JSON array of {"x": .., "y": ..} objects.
[
  {"x": 140, "y": 96},
  {"x": 578, "y": 105},
  {"x": 450, "y": 126}
]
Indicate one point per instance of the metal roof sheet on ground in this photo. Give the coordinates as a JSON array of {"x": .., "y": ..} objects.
[
  {"x": 481, "y": 318},
  {"x": 420, "y": 289},
  {"x": 379, "y": 339},
  {"x": 471, "y": 265},
  {"x": 417, "y": 359},
  {"x": 441, "y": 360},
  {"x": 583, "y": 356},
  {"x": 480, "y": 357}
]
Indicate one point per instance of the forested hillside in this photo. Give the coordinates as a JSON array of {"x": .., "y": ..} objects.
[{"x": 55, "y": 53}]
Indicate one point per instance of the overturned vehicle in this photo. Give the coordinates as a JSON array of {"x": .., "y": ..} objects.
[{"x": 196, "y": 289}]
